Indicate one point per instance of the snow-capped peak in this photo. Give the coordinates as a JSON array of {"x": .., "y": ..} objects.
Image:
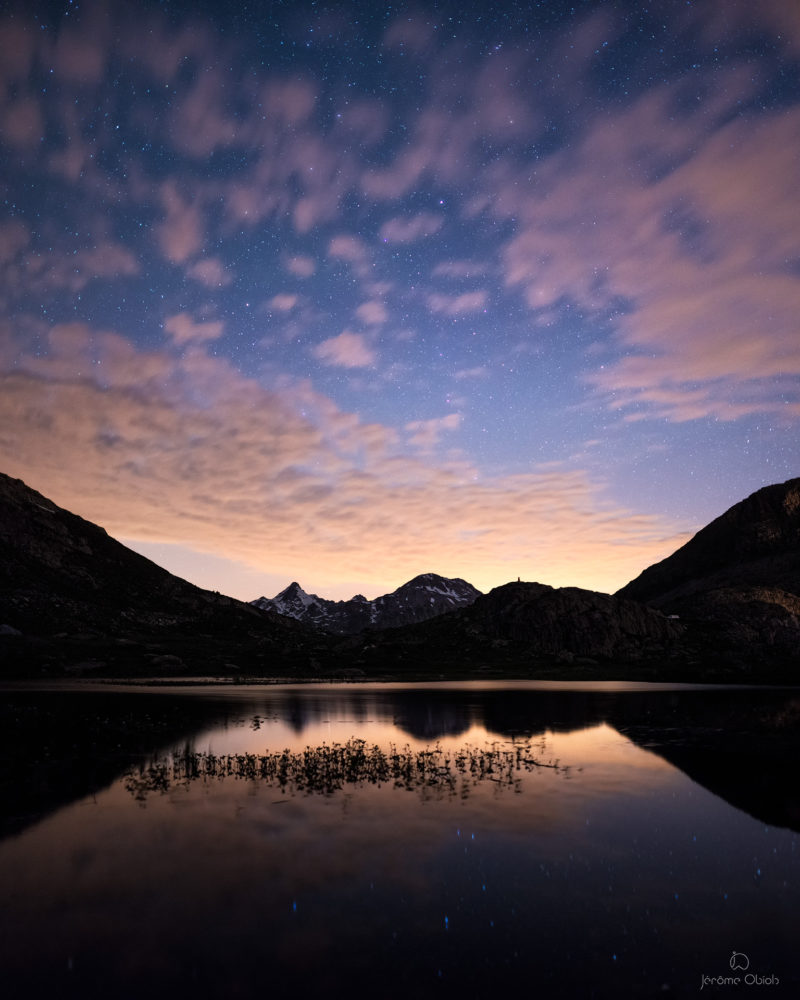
[{"x": 423, "y": 597}]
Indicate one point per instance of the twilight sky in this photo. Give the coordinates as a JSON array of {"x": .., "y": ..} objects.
[{"x": 345, "y": 294}]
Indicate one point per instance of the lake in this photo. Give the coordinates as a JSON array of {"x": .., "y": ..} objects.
[{"x": 590, "y": 840}]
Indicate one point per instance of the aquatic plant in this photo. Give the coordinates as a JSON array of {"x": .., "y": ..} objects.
[{"x": 329, "y": 768}]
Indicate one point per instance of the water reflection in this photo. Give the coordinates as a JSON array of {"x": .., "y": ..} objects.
[
  {"x": 328, "y": 769},
  {"x": 398, "y": 843}
]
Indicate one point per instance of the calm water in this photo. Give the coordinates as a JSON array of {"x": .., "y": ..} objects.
[{"x": 393, "y": 841}]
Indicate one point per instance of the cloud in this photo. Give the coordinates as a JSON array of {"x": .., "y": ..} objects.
[
  {"x": 479, "y": 371},
  {"x": 300, "y": 266},
  {"x": 199, "y": 124},
  {"x": 180, "y": 236},
  {"x": 283, "y": 302},
  {"x": 457, "y": 305},
  {"x": 425, "y": 434},
  {"x": 682, "y": 235},
  {"x": 401, "y": 230},
  {"x": 80, "y": 53},
  {"x": 372, "y": 313},
  {"x": 349, "y": 248},
  {"x": 460, "y": 269},
  {"x": 21, "y": 122},
  {"x": 352, "y": 250},
  {"x": 183, "y": 329},
  {"x": 211, "y": 272},
  {"x": 347, "y": 350},
  {"x": 184, "y": 449}
]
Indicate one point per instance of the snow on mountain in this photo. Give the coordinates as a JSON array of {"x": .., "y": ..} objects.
[{"x": 423, "y": 597}]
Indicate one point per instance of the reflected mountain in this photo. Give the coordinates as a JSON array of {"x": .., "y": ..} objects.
[{"x": 58, "y": 747}]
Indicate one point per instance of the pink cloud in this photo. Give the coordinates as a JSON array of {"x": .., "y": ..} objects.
[
  {"x": 198, "y": 121},
  {"x": 74, "y": 271},
  {"x": 14, "y": 238},
  {"x": 367, "y": 121},
  {"x": 211, "y": 272},
  {"x": 350, "y": 249},
  {"x": 21, "y": 122},
  {"x": 81, "y": 52},
  {"x": 460, "y": 269},
  {"x": 290, "y": 101},
  {"x": 18, "y": 40},
  {"x": 347, "y": 350},
  {"x": 425, "y": 434},
  {"x": 183, "y": 329},
  {"x": 409, "y": 230},
  {"x": 180, "y": 235},
  {"x": 711, "y": 300},
  {"x": 300, "y": 266},
  {"x": 283, "y": 302},
  {"x": 457, "y": 305},
  {"x": 372, "y": 313},
  {"x": 307, "y": 490}
]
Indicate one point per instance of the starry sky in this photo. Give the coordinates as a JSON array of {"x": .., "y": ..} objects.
[{"x": 348, "y": 293}]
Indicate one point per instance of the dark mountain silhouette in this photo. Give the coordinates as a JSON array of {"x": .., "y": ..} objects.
[
  {"x": 424, "y": 597},
  {"x": 754, "y": 544},
  {"x": 527, "y": 628},
  {"x": 736, "y": 583},
  {"x": 72, "y": 599}
]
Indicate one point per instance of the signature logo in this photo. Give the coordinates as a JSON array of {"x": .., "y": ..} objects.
[{"x": 739, "y": 961}]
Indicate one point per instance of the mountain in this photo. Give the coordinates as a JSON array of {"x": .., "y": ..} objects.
[
  {"x": 424, "y": 597},
  {"x": 736, "y": 583},
  {"x": 754, "y": 544},
  {"x": 530, "y": 629},
  {"x": 726, "y": 606},
  {"x": 72, "y": 599}
]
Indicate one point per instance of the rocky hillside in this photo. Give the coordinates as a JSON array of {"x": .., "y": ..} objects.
[
  {"x": 754, "y": 544},
  {"x": 73, "y": 599},
  {"x": 424, "y": 597},
  {"x": 736, "y": 583},
  {"x": 522, "y": 627}
]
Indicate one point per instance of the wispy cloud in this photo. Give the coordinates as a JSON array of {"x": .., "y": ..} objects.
[
  {"x": 186, "y": 449},
  {"x": 347, "y": 350},
  {"x": 180, "y": 235},
  {"x": 408, "y": 230},
  {"x": 457, "y": 305},
  {"x": 372, "y": 313},
  {"x": 426, "y": 434},
  {"x": 184, "y": 329}
]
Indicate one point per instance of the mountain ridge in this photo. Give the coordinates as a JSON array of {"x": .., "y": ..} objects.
[
  {"x": 421, "y": 598},
  {"x": 73, "y": 600}
]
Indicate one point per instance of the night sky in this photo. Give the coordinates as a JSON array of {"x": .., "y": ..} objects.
[{"x": 345, "y": 294}]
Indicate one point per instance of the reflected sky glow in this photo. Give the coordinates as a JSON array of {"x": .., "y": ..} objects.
[{"x": 613, "y": 869}]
